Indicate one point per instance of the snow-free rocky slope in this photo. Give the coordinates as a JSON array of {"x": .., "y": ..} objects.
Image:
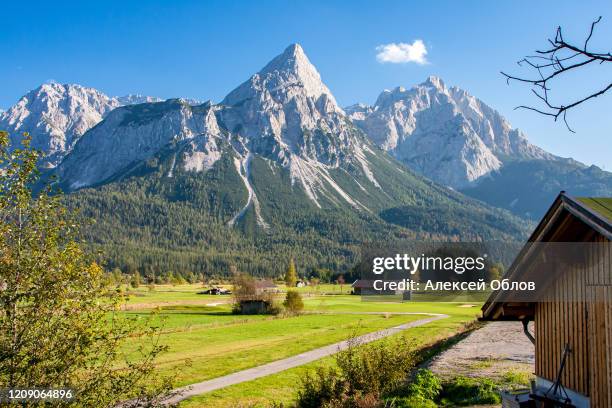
[
  {"x": 57, "y": 115},
  {"x": 455, "y": 139},
  {"x": 441, "y": 132},
  {"x": 276, "y": 168},
  {"x": 444, "y": 133}
]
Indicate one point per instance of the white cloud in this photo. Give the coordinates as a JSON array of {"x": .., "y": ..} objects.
[{"x": 402, "y": 53}]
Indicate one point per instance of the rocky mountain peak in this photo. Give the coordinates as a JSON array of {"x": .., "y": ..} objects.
[
  {"x": 286, "y": 110},
  {"x": 56, "y": 116},
  {"x": 287, "y": 75},
  {"x": 435, "y": 82},
  {"x": 444, "y": 133},
  {"x": 132, "y": 99},
  {"x": 284, "y": 115}
]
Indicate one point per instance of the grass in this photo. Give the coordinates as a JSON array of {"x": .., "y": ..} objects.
[
  {"x": 144, "y": 298},
  {"x": 215, "y": 350},
  {"x": 282, "y": 387},
  {"x": 206, "y": 341},
  {"x": 263, "y": 392},
  {"x": 516, "y": 379},
  {"x": 484, "y": 363},
  {"x": 464, "y": 391}
]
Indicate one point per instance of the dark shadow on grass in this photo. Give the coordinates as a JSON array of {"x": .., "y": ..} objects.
[{"x": 426, "y": 353}]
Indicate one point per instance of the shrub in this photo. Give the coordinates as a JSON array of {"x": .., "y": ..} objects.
[
  {"x": 426, "y": 386},
  {"x": 411, "y": 402},
  {"x": 321, "y": 386},
  {"x": 135, "y": 280},
  {"x": 470, "y": 391},
  {"x": 293, "y": 302},
  {"x": 515, "y": 378},
  {"x": 363, "y": 377}
]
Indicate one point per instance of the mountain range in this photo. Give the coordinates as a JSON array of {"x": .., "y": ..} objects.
[
  {"x": 457, "y": 140},
  {"x": 278, "y": 168},
  {"x": 57, "y": 115}
]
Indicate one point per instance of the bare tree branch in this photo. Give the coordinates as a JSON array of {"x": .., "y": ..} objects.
[{"x": 552, "y": 63}]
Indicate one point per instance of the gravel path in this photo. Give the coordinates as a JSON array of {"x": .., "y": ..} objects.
[
  {"x": 291, "y": 362},
  {"x": 490, "y": 352}
]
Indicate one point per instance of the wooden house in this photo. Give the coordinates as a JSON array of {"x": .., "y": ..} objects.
[
  {"x": 361, "y": 285},
  {"x": 573, "y": 325}
]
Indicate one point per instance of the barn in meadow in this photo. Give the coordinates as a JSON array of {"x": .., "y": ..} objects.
[{"x": 572, "y": 314}]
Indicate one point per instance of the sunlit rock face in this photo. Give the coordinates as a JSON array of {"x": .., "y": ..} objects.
[
  {"x": 284, "y": 114},
  {"x": 444, "y": 133},
  {"x": 57, "y": 115}
]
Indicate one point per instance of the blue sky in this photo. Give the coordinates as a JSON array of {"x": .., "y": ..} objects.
[{"x": 203, "y": 49}]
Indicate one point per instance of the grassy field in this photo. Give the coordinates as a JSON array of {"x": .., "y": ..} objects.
[
  {"x": 206, "y": 341},
  {"x": 143, "y": 297}
]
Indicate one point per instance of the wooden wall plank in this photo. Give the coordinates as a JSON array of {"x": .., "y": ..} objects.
[{"x": 581, "y": 316}]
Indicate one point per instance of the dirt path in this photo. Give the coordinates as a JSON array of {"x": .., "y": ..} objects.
[
  {"x": 492, "y": 351},
  {"x": 291, "y": 362}
]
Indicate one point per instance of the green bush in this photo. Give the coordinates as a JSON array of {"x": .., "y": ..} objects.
[
  {"x": 515, "y": 378},
  {"x": 469, "y": 391},
  {"x": 425, "y": 386},
  {"x": 364, "y": 376},
  {"x": 411, "y": 402},
  {"x": 321, "y": 387},
  {"x": 293, "y": 302},
  {"x": 135, "y": 280}
]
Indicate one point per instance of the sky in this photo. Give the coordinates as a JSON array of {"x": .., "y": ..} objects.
[{"x": 204, "y": 49}]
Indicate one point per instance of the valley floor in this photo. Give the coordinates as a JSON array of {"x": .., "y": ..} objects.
[{"x": 206, "y": 341}]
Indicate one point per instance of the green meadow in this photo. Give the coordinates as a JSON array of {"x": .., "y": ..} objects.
[{"x": 205, "y": 340}]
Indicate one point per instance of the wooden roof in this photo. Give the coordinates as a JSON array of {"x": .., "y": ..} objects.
[
  {"x": 584, "y": 214},
  {"x": 363, "y": 284},
  {"x": 598, "y": 205},
  {"x": 265, "y": 284}
]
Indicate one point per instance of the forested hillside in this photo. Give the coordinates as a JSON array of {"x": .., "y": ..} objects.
[
  {"x": 528, "y": 188},
  {"x": 275, "y": 170},
  {"x": 157, "y": 224}
]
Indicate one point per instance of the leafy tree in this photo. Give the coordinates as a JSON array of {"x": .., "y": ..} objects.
[
  {"x": 55, "y": 306},
  {"x": 191, "y": 277},
  {"x": 340, "y": 281},
  {"x": 117, "y": 276},
  {"x": 169, "y": 278},
  {"x": 291, "y": 275},
  {"x": 244, "y": 288},
  {"x": 496, "y": 271},
  {"x": 323, "y": 274},
  {"x": 175, "y": 278},
  {"x": 315, "y": 282},
  {"x": 135, "y": 280},
  {"x": 293, "y": 302}
]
